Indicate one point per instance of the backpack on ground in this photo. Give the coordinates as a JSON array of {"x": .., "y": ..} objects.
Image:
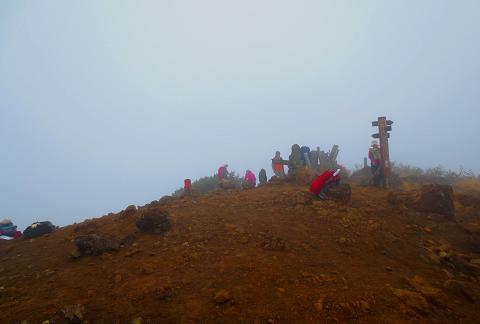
[{"x": 38, "y": 229}]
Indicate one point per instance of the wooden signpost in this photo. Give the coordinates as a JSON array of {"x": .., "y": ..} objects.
[{"x": 384, "y": 127}]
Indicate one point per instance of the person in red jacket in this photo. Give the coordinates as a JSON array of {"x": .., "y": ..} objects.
[
  {"x": 187, "y": 187},
  {"x": 323, "y": 182}
]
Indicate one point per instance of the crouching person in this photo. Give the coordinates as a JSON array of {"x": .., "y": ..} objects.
[
  {"x": 249, "y": 181},
  {"x": 321, "y": 184}
]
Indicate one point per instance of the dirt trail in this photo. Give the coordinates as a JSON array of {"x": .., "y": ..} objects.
[{"x": 279, "y": 256}]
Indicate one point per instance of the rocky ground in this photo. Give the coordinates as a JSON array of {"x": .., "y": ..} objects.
[{"x": 266, "y": 255}]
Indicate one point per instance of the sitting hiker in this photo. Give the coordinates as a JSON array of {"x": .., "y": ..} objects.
[
  {"x": 277, "y": 165},
  {"x": 222, "y": 172},
  {"x": 250, "y": 180},
  {"x": 8, "y": 230},
  {"x": 224, "y": 182},
  {"x": 320, "y": 185}
]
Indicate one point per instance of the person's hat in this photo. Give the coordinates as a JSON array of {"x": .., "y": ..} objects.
[{"x": 5, "y": 222}]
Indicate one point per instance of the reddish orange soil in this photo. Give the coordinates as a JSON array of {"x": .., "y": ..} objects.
[{"x": 281, "y": 257}]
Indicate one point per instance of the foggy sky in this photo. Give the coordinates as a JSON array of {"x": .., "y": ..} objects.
[{"x": 109, "y": 103}]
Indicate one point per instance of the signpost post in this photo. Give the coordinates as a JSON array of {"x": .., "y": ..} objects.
[{"x": 384, "y": 126}]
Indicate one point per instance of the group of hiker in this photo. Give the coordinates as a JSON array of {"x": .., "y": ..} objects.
[
  {"x": 8, "y": 230},
  {"x": 304, "y": 157},
  {"x": 249, "y": 180},
  {"x": 300, "y": 157},
  {"x": 297, "y": 159}
]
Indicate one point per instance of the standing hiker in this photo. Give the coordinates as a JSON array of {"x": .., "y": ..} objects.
[
  {"x": 304, "y": 150},
  {"x": 277, "y": 165},
  {"x": 375, "y": 163},
  {"x": 262, "y": 177},
  {"x": 320, "y": 185},
  {"x": 187, "y": 187},
  {"x": 294, "y": 160}
]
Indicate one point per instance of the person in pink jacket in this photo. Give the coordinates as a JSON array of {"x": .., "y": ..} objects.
[{"x": 250, "y": 178}]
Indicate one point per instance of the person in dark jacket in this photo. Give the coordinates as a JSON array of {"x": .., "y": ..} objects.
[
  {"x": 294, "y": 160},
  {"x": 304, "y": 150},
  {"x": 262, "y": 177}
]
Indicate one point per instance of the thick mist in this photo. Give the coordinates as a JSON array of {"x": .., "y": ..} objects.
[{"x": 109, "y": 103}]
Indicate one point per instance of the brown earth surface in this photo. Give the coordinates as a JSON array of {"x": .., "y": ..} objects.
[{"x": 266, "y": 255}]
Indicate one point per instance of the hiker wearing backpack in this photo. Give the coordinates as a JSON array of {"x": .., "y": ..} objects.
[
  {"x": 224, "y": 180},
  {"x": 222, "y": 172},
  {"x": 320, "y": 185}
]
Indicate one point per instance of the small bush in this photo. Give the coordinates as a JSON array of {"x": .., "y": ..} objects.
[
  {"x": 208, "y": 184},
  {"x": 436, "y": 174},
  {"x": 404, "y": 170}
]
